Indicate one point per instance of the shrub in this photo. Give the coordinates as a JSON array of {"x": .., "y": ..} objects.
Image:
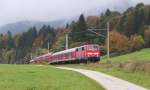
[
  {"x": 118, "y": 42},
  {"x": 136, "y": 42},
  {"x": 147, "y": 37}
]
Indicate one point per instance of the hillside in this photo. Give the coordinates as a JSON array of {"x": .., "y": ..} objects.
[{"x": 141, "y": 55}]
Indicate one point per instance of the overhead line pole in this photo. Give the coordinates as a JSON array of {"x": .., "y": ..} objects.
[
  {"x": 31, "y": 55},
  {"x": 48, "y": 46},
  {"x": 107, "y": 42},
  {"x": 66, "y": 41}
]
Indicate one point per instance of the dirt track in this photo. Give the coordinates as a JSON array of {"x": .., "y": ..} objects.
[{"x": 107, "y": 81}]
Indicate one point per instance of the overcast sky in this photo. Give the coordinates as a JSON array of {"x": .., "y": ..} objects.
[{"x": 48, "y": 10}]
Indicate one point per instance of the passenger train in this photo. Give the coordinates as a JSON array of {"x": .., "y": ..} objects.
[{"x": 83, "y": 54}]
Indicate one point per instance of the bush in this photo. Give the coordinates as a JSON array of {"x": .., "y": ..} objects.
[
  {"x": 136, "y": 42},
  {"x": 147, "y": 37},
  {"x": 103, "y": 50},
  {"x": 118, "y": 42}
]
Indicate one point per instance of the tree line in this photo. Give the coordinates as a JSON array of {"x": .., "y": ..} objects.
[
  {"x": 129, "y": 31},
  {"x": 18, "y": 48}
]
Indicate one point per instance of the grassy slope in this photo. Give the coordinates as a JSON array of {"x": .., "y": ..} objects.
[
  {"x": 137, "y": 77},
  {"x": 142, "y": 55},
  {"x": 33, "y": 77}
]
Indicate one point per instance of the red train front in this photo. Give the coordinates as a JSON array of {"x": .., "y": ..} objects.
[{"x": 88, "y": 53}]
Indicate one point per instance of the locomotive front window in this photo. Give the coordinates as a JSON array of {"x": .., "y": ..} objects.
[{"x": 93, "y": 47}]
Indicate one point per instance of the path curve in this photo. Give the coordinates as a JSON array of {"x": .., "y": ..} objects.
[{"x": 107, "y": 81}]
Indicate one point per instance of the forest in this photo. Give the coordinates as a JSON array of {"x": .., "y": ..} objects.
[{"x": 129, "y": 31}]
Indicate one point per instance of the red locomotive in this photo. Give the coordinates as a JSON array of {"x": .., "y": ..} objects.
[{"x": 82, "y": 54}]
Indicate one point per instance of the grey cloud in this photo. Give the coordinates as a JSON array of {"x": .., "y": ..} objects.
[{"x": 48, "y": 10}]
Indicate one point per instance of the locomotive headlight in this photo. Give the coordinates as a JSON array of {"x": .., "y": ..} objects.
[
  {"x": 93, "y": 54},
  {"x": 90, "y": 53}
]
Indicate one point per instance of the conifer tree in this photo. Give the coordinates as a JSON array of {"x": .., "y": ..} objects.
[{"x": 10, "y": 40}]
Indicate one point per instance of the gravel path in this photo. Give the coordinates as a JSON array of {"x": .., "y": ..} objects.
[{"x": 107, "y": 81}]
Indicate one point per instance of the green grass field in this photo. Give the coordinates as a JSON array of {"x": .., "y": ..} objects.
[
  {"x": 142, "y": 55},
  {"x": 36, "y": 77}
]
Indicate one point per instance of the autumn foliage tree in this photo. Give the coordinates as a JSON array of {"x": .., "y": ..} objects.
[
  {"x": 136, "y": 42},
  {"x": 147, "y": 37},
  {"x": 118, "y": 42},
  {"x": 92, "y": 21}
]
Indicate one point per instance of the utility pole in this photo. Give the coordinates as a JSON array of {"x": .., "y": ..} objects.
[
  {"x": 37, "y": 52},
  {"x": 107, "y": 42},
  {"x": 66, "y": 41},
  {"x": 31, "y": 55},
  {"x": 48, "y": 46}
]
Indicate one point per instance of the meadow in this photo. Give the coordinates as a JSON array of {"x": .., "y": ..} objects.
[{"x": 43, "y": 77}]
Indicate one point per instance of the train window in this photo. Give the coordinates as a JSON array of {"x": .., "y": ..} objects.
[
  {"x": 82, "y": 48},
  {"x": 77, "y": 49}
]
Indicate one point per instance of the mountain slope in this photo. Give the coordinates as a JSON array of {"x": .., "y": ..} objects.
[{"x": 23, "y": 26}]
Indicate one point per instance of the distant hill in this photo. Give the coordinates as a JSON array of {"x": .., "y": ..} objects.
[{"x": 22, "y": 26}]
